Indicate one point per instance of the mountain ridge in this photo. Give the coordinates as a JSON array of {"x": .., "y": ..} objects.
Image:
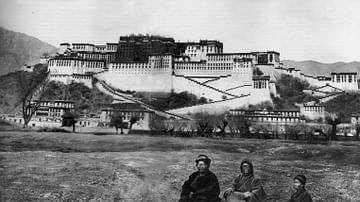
[
  {"x": 312, "y": 67},
  {"x": 17, "y": 49}
]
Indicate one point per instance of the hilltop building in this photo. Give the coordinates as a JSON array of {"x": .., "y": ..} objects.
[
  {"x": 154, "y": 64},
  {"x": 159, "y": 64}
]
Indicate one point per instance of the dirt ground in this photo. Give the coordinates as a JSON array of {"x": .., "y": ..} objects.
[{"x": 85, "y": 167}]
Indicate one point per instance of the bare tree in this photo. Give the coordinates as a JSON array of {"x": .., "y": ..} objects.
[
  {"x": 132, "y": 121},
  {"x": 261, "y": 130},
  {"x": 69, "y": 119},
  {"x": 117, "y": 121},
  {"x": 222, "y": 127},
  {"x": 334, "y": 120},
  {"x": 157, "y": 125},
  {"x": 202, "y": 127},
  {"x": 32, "y": 87},
  {"x": 357, "y": 129},
  {"x": 293, "y": 130}
]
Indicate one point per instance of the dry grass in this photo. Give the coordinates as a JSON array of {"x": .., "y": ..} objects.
[{"x": 84, "y": 167}]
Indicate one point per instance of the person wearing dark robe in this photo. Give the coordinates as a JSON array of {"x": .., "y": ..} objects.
[
  {"x": 300, "y": 195},
  {"x": 246, "y": 187},
  {"x": 203, "y": 185}
]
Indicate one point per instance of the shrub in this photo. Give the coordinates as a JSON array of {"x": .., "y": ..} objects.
[{"x": 53, "y": 129}]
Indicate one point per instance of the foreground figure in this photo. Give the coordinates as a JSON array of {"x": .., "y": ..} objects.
[
  {"x": 246, "y": 188},
  {"x": 301, "y": 195},
  {"x": 203, "y": 185}
]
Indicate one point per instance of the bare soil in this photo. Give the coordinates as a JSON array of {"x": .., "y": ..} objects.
[{"x": 84, "y": 167}]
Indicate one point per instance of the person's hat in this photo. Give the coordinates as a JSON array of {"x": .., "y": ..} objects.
[
  {"x": 301, "y": 178},
  {"x": 204, "y": 158}
]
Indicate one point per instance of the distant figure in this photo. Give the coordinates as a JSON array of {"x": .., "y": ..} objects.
[
  {"x": 203, "y": 185},
  {"x": 301, "y": 195},
  {"x": 246, "y": 188}
]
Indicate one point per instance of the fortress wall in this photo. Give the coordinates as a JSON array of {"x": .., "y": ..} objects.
[
  {"x": 256, "y": 97},
  {"x": 293, "y": 73},
  {"x": 182, "y": 84},
  {"x": 202, "y": 72},
  {"x": 213, "y": 108},
  {"x": 166, "y": 83},
  {"x": 242, "y": 90},
  {"x": 224, "y": 83},
  {"x": 231, "y": 82},
  {"x": 75, "y": 66},
  {"x": 61, "y": 78},
  {"x": 138, "y": 82},
  {"x": 268, "y": 70},
  {"x": 313, "y": 81},
  {"x": 345, "y": 86},
  {"x": 67, "y": 79}
]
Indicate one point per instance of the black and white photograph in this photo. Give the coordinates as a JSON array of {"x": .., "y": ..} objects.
[{"x": 179, "y": 101}]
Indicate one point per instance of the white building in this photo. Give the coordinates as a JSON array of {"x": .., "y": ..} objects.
[
  {"x": 128, "y": 111},
  {"x": 48, "y": 114},
  {"x": 71, "y": 65},
  {"x": 312, "y": 111},
  {"x": 198, "y": 51},
  {"x": 355, "y": 119},
  {"x": 202, "y": 69},
  {"x": 344, "y": 80}
]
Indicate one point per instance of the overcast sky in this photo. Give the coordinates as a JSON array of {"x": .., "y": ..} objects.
[{"x": 322, "y": 30}]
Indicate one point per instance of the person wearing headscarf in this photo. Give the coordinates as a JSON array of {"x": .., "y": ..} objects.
[
  {"x": 203, "y": 185},
  {"x": 246, "y": 187},
  {"x": 300, "y": 195}
]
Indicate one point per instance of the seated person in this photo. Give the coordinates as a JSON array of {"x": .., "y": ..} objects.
[
  {"x": 203, "y": 185},
  {"x": 246, "y": 187},
  {"x": 301, "y": 195}
]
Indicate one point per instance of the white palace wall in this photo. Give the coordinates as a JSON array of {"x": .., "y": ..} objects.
[
  {"x": 181, "y": 84},
  {"x": 138, "y": 82},
  {"x": 238, "y": 78},
  {"x": 256, "y": 97},
  {"x": 75, "y": 66},
  {"x": 154, "y": 76},
  {"x": 67, "y": 79}
]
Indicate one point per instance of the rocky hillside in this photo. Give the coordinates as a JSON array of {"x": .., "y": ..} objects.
[
  {"x": 317, "y": 68},
  {"x": 17, "y": 49}
]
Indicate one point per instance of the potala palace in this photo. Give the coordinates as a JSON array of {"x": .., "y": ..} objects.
[{"x": 159, "y": 64}]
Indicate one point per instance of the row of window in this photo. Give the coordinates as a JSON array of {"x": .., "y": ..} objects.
[
  {"x": 137, "y": 66},
  {"x": 189, "y": 67},
  {"x": 208, "y": 47},
  {"x": 314, "y": 109},
  {"x": 111, "y": 47},
  {"x": 95, "y": 56},
  {"x": 259, "y": 84},
  {"x": 227, "y": 57},
  {"x": 269, "y": 119},
  {"x": 126, "y": 115},
  {"x": 266, "y": 113},
  {"x": 82, "y": 47},
  {"x": 76, "y": 63},
  {"x": 73, "y": 76},
  {"x": 344, "y": 78},
  {"x": 57, "y": 104},
  {"x": 143, "y": 72}
]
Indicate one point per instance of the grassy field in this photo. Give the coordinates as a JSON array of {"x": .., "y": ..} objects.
[{"x": 85, "y": 167}]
